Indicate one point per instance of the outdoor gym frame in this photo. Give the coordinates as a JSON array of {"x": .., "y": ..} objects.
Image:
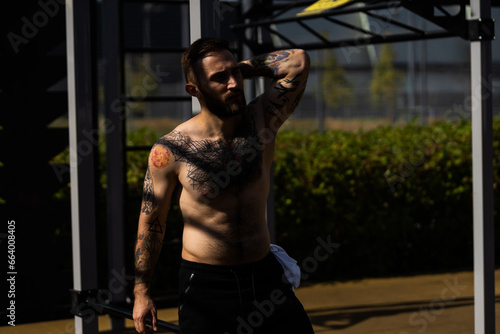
[{"x": 81, "y": 58}]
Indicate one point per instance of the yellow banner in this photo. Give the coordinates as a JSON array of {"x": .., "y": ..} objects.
[{"x": 322, "y": 5}]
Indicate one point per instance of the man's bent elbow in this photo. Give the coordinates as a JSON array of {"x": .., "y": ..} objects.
[{"x": 303, "y": 60}]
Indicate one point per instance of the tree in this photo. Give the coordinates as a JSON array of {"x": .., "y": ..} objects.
[
  {"x": 337, "y": 90},
  {"x": 386, "y": 81}
]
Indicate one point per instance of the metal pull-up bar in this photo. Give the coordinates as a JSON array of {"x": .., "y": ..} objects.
[
  {"x": 86, "y": 305},
  {"x": 124, "y": 313}
]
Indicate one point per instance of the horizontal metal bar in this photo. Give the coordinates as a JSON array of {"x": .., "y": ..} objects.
[
  {"x": 137, "y": 99},
  {"x": 153, "y": 50},
  {"x": 443, "y": 10},
  {"x": 271, "y": 7},
  {"x": 351, "y": 26},
  {"x": 292, "y": 4},
  {"x": 273, "y": 31},
  {"x": 124, "y": 313},
  {"x": 314, "y": 32},
  {"x": 312, "y": 16},
  {"x": 287, "y": 8},
  {"x": 394, "y": 22},
  {"x": 377, "y": 40}
]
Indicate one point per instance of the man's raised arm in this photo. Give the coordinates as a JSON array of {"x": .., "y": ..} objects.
[
  {"x": 159, "y": 184},
  {"x": 289, "y": 70}
]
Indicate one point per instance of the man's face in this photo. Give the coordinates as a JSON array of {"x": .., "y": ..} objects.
[{"x": 221, "y": 84}]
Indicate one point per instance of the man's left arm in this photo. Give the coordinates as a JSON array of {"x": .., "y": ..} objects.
[{"x": 289, "y": 70}]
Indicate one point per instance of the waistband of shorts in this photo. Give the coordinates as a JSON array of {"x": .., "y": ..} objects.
[{"x": 265, "y": 261}]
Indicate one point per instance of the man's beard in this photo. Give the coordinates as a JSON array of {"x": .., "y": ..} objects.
[{"x": 224, "y": 110}]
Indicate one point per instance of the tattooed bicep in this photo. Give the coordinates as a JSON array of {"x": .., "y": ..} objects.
[{"x": 161, "y": 175}]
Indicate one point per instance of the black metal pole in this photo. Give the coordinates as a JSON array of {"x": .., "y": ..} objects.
[{"x": 115, "y": 150}]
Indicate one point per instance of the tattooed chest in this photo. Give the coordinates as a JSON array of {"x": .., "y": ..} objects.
[{"x": 214, "y": 167}]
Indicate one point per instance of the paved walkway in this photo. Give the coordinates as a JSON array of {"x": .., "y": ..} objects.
[{"x": 430, "y": 304}]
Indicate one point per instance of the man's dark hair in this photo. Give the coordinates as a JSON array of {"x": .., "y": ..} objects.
[{"x": 198, "y": 50}]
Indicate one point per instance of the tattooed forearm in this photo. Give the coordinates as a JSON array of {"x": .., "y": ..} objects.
[
  {"x": 287, "y": 90},
  {"x": 289, "y": 69},
  {"x": 155, "y": 226},
  {"x": 148, "y": 195},
  {"x": 286, "y": 87},
  {"x": 147, "y": 250}
]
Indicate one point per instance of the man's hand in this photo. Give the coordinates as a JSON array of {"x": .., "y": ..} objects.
[
  {"x": 248, "y": 70},
  {"x": 144, "y": 308},
  {"x": 276, "y": 65}
]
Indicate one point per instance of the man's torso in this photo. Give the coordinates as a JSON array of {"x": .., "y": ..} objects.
[{"x": 223, "y": 192}]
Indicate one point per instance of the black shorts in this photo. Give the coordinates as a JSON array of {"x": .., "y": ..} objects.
[{"x": 243, "y": 299}]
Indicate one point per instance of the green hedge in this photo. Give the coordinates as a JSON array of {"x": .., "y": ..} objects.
[{"x": 398, "y": 200}]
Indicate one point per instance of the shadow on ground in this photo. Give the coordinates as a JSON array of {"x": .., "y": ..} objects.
[{"x": 344, "y": 317}]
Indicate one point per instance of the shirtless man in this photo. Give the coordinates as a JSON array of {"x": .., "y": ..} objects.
[{"x": 217, "y": 166}]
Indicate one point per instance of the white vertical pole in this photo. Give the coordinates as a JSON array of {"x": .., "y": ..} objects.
[
  {"x": 195, "y": 32},
  {"x": 482, "y": 169},
  {"x": 195, "y": 19},
  {"x": 204, "y": 21},
  {"x": 81, "y": 118}
]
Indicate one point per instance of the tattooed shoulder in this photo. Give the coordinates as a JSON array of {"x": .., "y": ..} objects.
[
  {"x": 172, "y": 143},
  {"x": 160, "y": 156}
]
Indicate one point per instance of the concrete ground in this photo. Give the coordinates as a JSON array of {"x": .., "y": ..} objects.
[{"x": 430, "y": 304}]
